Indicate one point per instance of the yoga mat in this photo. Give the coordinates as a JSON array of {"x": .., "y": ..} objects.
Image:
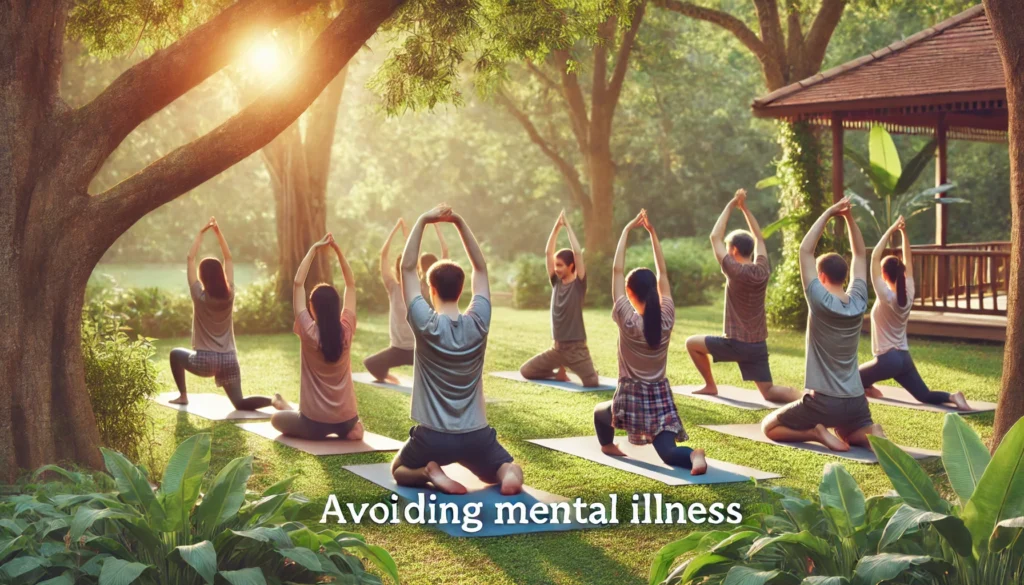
[
  {"x": 329, "y": 446},
  {"x": 212, "y": 407},
  {"x": 404, "y": 386},
  {"x": 860, "y": 454},
  {"x": 575, "y": 386},
  {"x": 899, "y": 397},
  {"x": 643, "y": 460},
  {"x": 730, "y": 396},
  {"x": 488, "y": 495}
]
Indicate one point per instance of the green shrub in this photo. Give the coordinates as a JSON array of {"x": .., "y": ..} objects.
[
  {"x": 119, "y": 377},
  {"x": 171, "y": 535},
  {"x": 531, "y": 288},
  {"x": 915, "y": 537},
  {"x": 257, "y": 310}
]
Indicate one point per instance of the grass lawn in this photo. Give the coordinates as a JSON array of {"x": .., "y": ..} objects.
[{"x": 618, "y": 555}]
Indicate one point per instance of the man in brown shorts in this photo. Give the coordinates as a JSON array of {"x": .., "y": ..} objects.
[
  {"x": 744, "y": 259},
  {"x": 568, "y": 275}
]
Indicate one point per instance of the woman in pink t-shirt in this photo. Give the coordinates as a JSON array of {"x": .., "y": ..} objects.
[{"x": 327, "y": 400}]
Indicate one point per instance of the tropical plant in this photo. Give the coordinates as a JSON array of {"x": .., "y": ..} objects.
[
  {"x": 173, "y": 534},
  {"x": 843, "y": 538}
]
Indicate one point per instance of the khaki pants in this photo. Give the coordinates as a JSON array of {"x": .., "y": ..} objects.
[{"x": 571, "y": 355}]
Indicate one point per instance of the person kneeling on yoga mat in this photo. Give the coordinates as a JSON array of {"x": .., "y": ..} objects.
[
  {"x": 213, "y": 337},
  {"x": 834, "y": 321},
  {"x": 327, "y": 399},
  {"x": 893, "y": 280},
  {"x": 643, "y": 404},
  {"x": 447, "y": 392},
  {"x": 400, "y": 352},
  {"x": 568, "y": 276}
]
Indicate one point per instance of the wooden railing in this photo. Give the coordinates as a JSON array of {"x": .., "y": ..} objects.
[{"x": 961, "y": 278}]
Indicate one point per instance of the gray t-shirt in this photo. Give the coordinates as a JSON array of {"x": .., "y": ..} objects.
[
  {"x": 889, "y": 320},
  {"x": 212, "y": 329},
  {"x": 637, "y": 361},
  {"x": 447, "y": 394},
  {"x": 833, "y": 333},
  {"x": 567, "y": 309},
  {"x": 399, "y": 330}
]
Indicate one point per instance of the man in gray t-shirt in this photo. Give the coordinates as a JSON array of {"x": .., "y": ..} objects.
[
  {"x": 447, "y": 393},
  {"x": 835, "y": 397}
]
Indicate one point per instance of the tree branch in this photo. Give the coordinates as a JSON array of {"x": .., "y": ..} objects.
[
  {"x": 543, "y": 77},
  {"x": 606, "y": 34},
  {"x": 577, "y": 105},
  {"x": 818, "y": 37},
  {"x": 323, "y": 119},
  {"x": 196, "y": 162},
  {"x": 622, "y": 59},
  {"x": 770, "y": 23}
]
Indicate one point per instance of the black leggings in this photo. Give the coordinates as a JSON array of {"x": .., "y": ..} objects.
[
  {"x": 664, "y": 443},
  {"x": 293, "y": 423},
  {"x": 898, "y": 365},
  {"x": 180, "y": 364},
  {"x": 380, "y": 363}
]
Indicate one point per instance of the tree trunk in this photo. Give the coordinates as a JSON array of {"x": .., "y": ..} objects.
[
  {"x": 597, "y": 229},
  {"x": 1005, "y": 17}
]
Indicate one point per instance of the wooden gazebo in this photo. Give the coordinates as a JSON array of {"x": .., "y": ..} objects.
[{"x": 945, "y": 81}]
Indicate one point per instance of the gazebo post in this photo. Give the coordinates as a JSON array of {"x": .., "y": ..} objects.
[
  {"x": 837, "y": 168},
  {"x": 941, "y": 169}
]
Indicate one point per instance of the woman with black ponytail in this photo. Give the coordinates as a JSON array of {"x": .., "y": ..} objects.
[
  {"x": 893, "y": 280},
  {"x": 643, "y": 404},
  {"x": 327, "y": 400}
]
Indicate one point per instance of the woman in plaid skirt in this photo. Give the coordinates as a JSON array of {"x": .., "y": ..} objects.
[
  {"x": 642, "y": 404},
  {"x": 213, "y": 337}
]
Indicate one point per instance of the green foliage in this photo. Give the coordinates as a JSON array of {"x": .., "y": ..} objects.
[
  {"x": 915, "y": 538},
  {"x": 532, "y": 288},
  {"x": 172, "y": 535},
  {"x": 258, "y": 310}
]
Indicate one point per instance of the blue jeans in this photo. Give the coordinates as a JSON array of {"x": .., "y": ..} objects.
[
  {"x": 898, "y": 365},
  {"x": 664, "y": 443}
]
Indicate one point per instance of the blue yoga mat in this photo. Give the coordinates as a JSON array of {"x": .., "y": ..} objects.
[
  {"x": 574, "y": 386},
  {"x": 487, "y": 495}
]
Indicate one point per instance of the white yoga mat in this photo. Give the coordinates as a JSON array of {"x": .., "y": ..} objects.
[
  {"x": 643, "y": 460},
  {"x": 212, "y": 407},
  {"x": 575, "y": 386},
  {"x": 860, "y": 454},
  {"x": 330, "y": 446},
  {"x": 730, "y": 396},
  {"x": 899, "y": 397}
]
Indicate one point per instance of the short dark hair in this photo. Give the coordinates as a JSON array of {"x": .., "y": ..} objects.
[
  {"x": 834, "y": 267},
  {"x": 447, "y": 278},
  {"x": 742, "y": 241},
  {"x": 426, "y": 261},
  {"x": 567, "y": 257}
]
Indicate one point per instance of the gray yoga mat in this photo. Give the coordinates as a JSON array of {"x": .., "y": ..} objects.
[
  {"x": 729, "y": 396},
  {"x": 643, "y": 460},
  {"x": 859, "y": 454},
  {"x": 330, "y": 446},
  {"x": 575, "y": 386},
  {"x": 899, "y": 397},
  {"x": 404, "y": 385},
  {"x": 487, "y": 495},
  {"x": 212, "y": 407}
]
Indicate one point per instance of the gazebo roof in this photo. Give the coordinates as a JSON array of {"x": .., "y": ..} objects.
[{"x": 951, "y": 71}]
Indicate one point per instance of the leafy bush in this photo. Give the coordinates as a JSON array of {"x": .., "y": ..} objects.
[
  {"x": 171, "y": 535},
  {"x": 843, "y": 538},
  {"x": 532, "y": 288},
  {"x": 120, "y": 380},
  {"x": 257, "y": 310}
]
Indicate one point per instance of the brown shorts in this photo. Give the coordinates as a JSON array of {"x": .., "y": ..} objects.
[
  {"x": 572, "y": 355},
  {"x": 845, "y": 415}
]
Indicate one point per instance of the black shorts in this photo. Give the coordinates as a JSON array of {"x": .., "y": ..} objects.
[
  {"x": 478, "y": 451},
  {"x": 845, "y": 415},
  {"x": 751, "y": 357}
]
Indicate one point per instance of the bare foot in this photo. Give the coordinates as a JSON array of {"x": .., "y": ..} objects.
[
  {"x": 562, "y": 376},
  {"x": 700, "y": 464},
  {"x": 392, "y": 379},
  {"x": 280, "y": 403},
  {"x": 708, "y": 390},
  {"x": 356, "y": 434},
  {"x": 872, "y": 392},
  {"x": 960, "y": 402},
  {"x": 512, "y": 483},
  {"x": 442, "y": 482},
  {"x": 612, "y": 449},
  {"x": 829, "y": 440},
  {"x": 181, "y": 399}
]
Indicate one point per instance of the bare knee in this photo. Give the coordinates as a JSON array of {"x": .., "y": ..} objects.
[
  {"x": 696, "y": 343},
  {"x": 769, "y": 424}
]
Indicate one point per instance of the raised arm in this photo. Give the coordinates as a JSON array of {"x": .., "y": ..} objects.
[
  {"x": 346, "y": 273},
  {"x": 229, "y": 265},
  {"x": 808, "y": 268},
  {"x": 193, "y": 251},
  {"x": 718, "y": 232},
  {"x": 299, "y": 285},
  {"x": 876, "y": 259},
  {"x": 441, "y": 240},
  {"x": 659, "y": 258},
  {"x": 481, "y": 283},
  {"x": 859, "y": 265},
  {"x": 577, "y": 252},
  {"x": 908, "y": 257},
  {"x": 386, "y": 276},
  {"x": 549, "y": 251},
  {"x": 619, "y": 263},
  {"x": 760, "y": 249},
  {"x": 411, "y": 254}
]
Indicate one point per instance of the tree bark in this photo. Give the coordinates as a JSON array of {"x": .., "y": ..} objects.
[{"x": 1005, "y": 17}]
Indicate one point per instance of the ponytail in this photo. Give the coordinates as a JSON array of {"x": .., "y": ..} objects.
[
  {"x": 901, "y": 287},
  {"x": 644, "y": 286},
  {"x": 327, "y": 304},
  {"x": 895, "y": 271}
]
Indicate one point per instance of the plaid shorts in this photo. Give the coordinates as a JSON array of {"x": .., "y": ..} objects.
[
  {"x": 222, "y": 366},
  {"x": 645, "y": 410}
]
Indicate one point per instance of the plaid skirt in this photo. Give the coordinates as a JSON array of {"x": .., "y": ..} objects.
[
  {"x": 645, "y": 410},
  {"x": 222, "y": 366}
]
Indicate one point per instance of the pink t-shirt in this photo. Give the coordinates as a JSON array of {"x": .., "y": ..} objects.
[{"x": 326, "y": 393}]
